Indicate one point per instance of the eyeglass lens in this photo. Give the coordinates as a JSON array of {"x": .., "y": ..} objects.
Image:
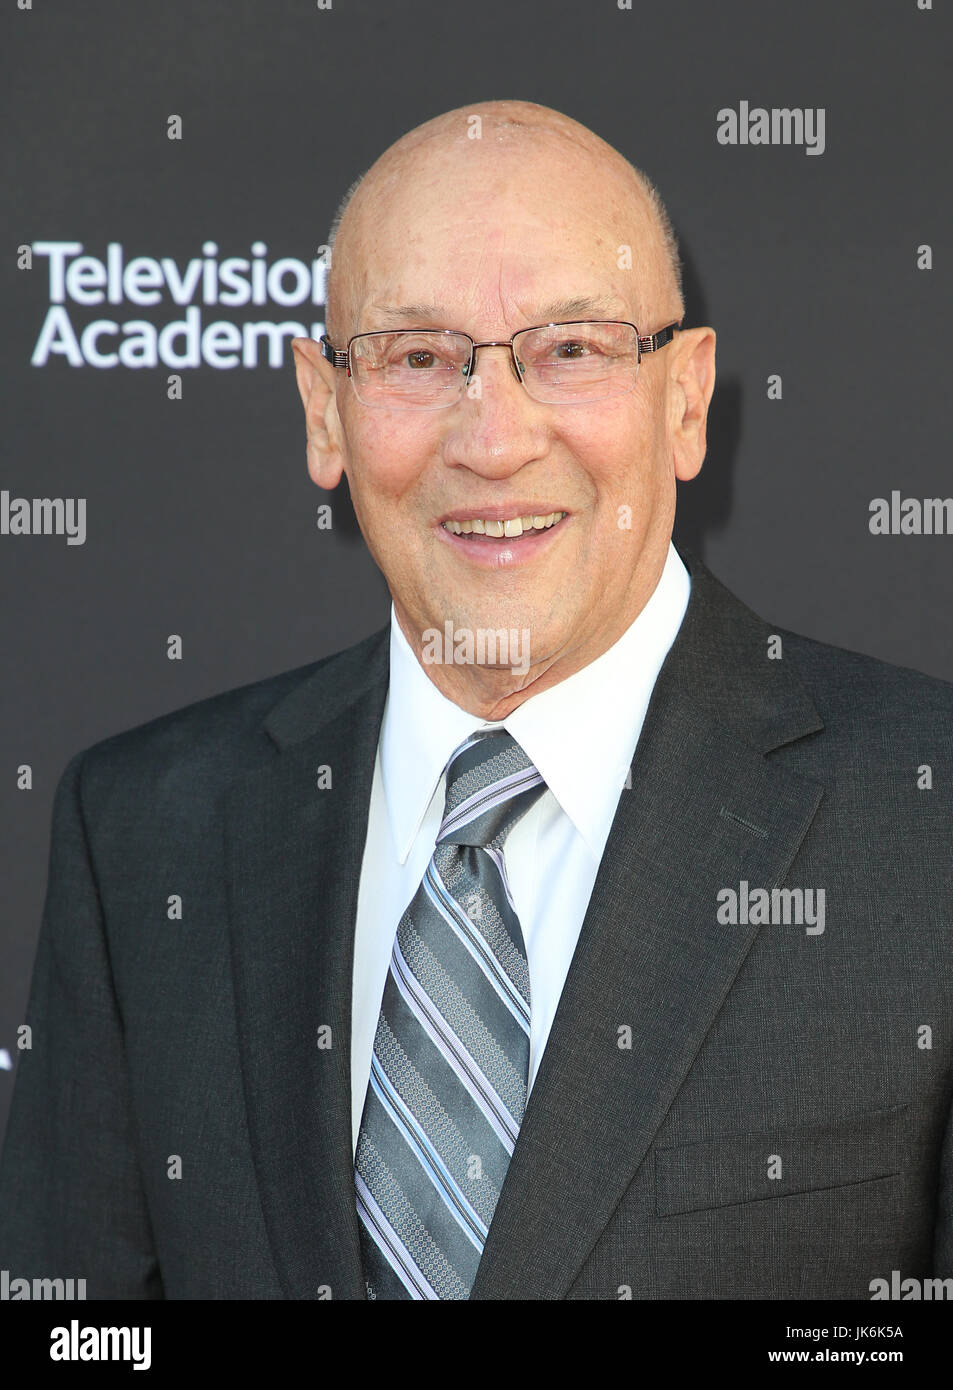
[{"x": 428, "y": 369}]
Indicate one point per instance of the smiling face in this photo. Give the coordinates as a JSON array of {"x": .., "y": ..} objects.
[{"x": 489, "y": 237}]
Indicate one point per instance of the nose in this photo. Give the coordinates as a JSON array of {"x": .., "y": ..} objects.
[{"x": 496, "y": 428}]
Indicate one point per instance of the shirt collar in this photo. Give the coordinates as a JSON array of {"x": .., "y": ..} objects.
[{"x": 580, "y": 733}]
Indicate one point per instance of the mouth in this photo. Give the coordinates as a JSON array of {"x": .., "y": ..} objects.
[
  {"x": 501, "y": 540},
  {"x": 503, "y": 528}
]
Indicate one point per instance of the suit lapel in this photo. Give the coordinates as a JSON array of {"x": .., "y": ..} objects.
[
  {"x": 705, "y": 810},
  {"x": 293, "y": 861}
]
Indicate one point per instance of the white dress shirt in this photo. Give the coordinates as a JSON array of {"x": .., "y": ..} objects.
[{"x": 580, "y": 734}]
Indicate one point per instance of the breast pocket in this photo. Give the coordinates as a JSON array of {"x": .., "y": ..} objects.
[{"x": 774, "y": 1163}]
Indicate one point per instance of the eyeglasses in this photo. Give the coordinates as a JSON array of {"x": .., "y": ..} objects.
[{"x": 558, "y": 363}]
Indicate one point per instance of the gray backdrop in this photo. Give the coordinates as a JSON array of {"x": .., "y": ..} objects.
[{"x": 200, "y": 517}]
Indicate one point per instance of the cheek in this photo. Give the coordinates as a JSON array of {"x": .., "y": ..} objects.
[
  {"x": 614, "y": 452},
  {"x": 387, "y": 454}
]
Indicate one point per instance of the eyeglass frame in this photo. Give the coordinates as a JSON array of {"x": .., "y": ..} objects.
[{"x": 652, "y": 342}]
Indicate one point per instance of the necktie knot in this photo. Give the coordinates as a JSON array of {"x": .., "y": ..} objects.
[{"x": 491, "y": 784}]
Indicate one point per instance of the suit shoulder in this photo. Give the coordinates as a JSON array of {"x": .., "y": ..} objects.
[
  {"x": 852, "y": 686},
  {"x": 210, "y": 741}
]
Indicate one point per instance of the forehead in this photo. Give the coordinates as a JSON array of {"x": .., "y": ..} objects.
[
  {"x": 387, "y": 314},
  {"x": 497, "y": 239}
]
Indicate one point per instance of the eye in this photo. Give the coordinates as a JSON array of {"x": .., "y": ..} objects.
[
  {"x": 571, "y": 349},
  {"x": 421, "y": 357}
]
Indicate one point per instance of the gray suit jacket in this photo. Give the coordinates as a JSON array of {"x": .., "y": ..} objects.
[{"x": 723, "y": 1110}]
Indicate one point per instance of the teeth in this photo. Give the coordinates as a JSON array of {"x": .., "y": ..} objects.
[{"x": 512, "y": 527}]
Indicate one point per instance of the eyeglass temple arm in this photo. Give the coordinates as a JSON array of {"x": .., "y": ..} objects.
[
  {"x": 657, "y": 340},
  {"x": 336, "y": 356}
]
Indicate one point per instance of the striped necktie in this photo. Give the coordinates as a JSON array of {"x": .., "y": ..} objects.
[{"x": 449, "y": 1071}]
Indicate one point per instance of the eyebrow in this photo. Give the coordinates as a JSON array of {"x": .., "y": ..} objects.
[{"x": 422, "y": 314}]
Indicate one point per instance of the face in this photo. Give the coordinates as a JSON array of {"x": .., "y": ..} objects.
[{"x": 490, "y": 242}]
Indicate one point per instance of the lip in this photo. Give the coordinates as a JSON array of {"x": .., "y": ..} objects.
[{"x": 503, "y": 553}]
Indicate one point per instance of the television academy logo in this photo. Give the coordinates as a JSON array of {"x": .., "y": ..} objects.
[{"x": 78, "y": 282}]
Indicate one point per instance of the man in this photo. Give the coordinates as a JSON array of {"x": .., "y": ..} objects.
[{"x": 579, "y": 936}]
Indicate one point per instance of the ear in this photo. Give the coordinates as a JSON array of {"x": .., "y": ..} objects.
[
  {"x": 693, "y": 381},
  {"x": 315, "y": 377}
]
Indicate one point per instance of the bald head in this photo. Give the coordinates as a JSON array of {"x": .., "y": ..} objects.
[{"x": 476, "y": 154}]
